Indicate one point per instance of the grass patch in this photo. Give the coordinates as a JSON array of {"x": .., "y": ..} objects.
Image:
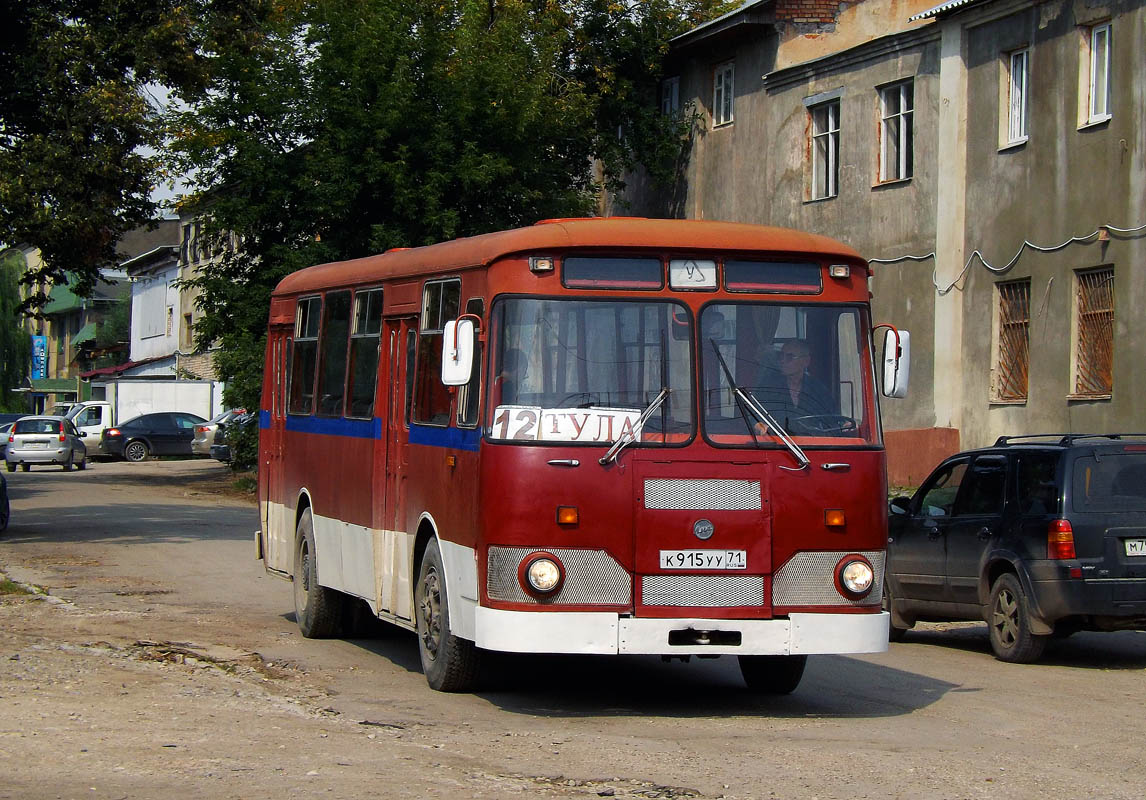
[
  {"x": 11, "y": 587},
  {"x": 245, "y": 483}
]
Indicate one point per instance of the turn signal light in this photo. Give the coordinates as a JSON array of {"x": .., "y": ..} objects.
[
  {"x": 834, "y": 517},
  {"x": 567, "y": 515},
  {"x": 1060, "y": 539}
]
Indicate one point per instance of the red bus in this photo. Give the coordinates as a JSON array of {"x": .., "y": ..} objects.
[{"x": 612, "y": 436}]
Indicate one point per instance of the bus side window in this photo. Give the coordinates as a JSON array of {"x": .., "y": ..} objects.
[
  {"x": 411, "y": 351},
  {"x": 364, "y": 353},
  {"x": 440, "y": 303},
  {"x": 471, "y": 392},
  {"x": 305, "y": 358},
  {"x": 332, "y": 367}
]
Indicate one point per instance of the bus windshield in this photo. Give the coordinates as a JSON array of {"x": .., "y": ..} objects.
[
  {"x": 807, "y": 366},
  {"x": 584, "y": 371}
]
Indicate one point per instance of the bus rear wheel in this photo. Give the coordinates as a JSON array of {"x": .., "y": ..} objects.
[
  {"x": 772, "y": 674},
  {"x": 317, "y": 609},
  {"x": 449, "y": 662}
]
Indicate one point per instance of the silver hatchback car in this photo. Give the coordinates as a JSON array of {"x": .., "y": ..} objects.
[{"x": 45, "y": 440}]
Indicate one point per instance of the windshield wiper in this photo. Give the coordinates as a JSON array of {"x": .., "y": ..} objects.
[
  {"x": 747, "y": 401},
  {"x": 629, "y": 436}
]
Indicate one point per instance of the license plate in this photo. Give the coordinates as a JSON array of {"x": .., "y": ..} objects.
[
  {"x": 1136, "y": 547},
  {"x": 704, "y": 559},
  {"x": 36, "y": 446}
]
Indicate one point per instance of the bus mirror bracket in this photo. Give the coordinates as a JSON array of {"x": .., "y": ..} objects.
[
  {"x": 458, "y": 350},
  {"x": 896, "y": 361}
]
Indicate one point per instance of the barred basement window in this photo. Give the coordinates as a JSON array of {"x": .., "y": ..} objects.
[
  {"x": 1094, "y": 358},
  {"x": 1012, "y": 368}
]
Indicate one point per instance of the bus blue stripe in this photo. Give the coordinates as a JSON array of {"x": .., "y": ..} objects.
[
  {"x": 429, "y": 436},
  {"x": 336, "y": 426},
  {"x": 453, "y": 438}
]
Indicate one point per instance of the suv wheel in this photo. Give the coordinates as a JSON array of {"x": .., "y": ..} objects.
[{"x": 1009, "y": 623}]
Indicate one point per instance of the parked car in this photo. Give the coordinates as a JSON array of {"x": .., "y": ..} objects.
[
  {"x": 44, "y": 440},
  {"x": 221, "y": 449},
  {"x": 5, "y": 508},
  {"x": 1038, "y": 536},
  {"x": 162, "y": 434},
  {"x": 205, "y": 433},
  {"x": 5, "y": 432}
]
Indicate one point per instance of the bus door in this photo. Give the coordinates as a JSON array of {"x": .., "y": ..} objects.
[
  {"x": 276, "y": 520},
  {"x": 703, "y": 537},
  {"x": 400, "y": 336}
]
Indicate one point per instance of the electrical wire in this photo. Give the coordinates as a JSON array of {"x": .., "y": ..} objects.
[{"x": 942, "y": 290}]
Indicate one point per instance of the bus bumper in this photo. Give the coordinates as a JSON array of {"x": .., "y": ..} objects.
[{"x": 610, "y": 634}]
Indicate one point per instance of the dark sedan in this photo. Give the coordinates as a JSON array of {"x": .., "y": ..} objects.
[{"x": 163, "y": 434}]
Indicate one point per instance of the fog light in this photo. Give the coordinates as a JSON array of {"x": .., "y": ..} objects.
[
  {"x": 542, "y": 573},
  {"x": 854, "y": 577}
]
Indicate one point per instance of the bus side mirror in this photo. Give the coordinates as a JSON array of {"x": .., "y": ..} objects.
[
  {"x": 458, "y": 352},
  {"x": 896, "y": 362}
]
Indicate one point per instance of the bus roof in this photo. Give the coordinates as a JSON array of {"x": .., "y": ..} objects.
[{"x": 562, "y": 234}]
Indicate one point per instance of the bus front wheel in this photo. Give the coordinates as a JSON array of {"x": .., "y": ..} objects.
[
  {"x": 449, "y": 662},
  {"x": 317, "y": 609},
  {"x": 772, "y": 674}
]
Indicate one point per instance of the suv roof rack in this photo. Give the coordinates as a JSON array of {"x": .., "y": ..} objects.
[{"x": 1064, "y": 439}]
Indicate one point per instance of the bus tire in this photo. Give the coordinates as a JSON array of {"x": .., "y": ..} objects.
[
  {"x": 772, "y": 674},
  {"x": 317, "y": 609},
  {"x": 449, "y": 662}
]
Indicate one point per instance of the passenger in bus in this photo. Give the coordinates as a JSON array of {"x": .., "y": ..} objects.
[
  {"x": 514, "y": 369},
  {"x": 789, "y": 391}
]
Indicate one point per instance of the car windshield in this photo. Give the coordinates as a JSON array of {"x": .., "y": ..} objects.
[
  {"x": 774, "y": 370},
  {"x": 583, "y": 371}
]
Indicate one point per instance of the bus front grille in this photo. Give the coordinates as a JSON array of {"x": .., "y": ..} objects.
[
  {"x": 680, "y": 494},
  {"x": 704, "y": 591},
  {"x": 592, "y": 577},
  {"x": 808, "y": 579}
]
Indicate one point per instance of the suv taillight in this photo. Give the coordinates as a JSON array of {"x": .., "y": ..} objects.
[{"x": 1060, "y": 540}]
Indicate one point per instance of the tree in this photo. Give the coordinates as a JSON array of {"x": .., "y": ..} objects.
[
  {"x": 15, "y": 344},
  {"x": 347, "y": 127},
  {"x": 75, "y": 117}
]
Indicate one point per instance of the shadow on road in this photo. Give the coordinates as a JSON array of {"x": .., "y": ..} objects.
[{"x": 1122, "y": 650}]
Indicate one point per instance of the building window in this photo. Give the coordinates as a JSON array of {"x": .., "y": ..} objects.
[
  {"x": 825, "y": 149},
  {"x": 722, "y": 94},
  {"x": 1094, "y": 358},
  {"x": 1013, "y": 356},
  {"x": 1018, "y": 94},
  {"x": 897, "y": 110},
  {"x": 188, "y": 337},
  {"x": 670, "y": 96},
  {"x": 1096, "y": 69}
]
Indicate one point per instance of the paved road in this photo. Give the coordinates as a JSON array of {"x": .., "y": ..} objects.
[{"x": 146, "y": 682}]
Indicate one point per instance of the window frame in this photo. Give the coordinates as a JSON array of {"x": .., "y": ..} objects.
[
  {"x": 427, "y": 359},
  {"x": 670, "y": 96},
  {"x": 904, "y": 136},
  {"x": 1012, "y": 352},
  {"x": 1089, "y": 322},
  {"x": 724, "y": 94},
  {"x": 1094, "y": 115},
  {"x": 1017, "y": 97},
  {"x": 830, "y": 170},
  {"x": 356, "y": 338},
  {"x": 300, "y": 339}
]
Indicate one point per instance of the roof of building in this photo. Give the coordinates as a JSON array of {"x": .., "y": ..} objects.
[
  {"x": 54, "y": 385},
  {"x": 748, "y": 13},
  {"x": 562, "y": 234},
  {"x": 119, "y": 369},
  {"x": 942, "y": 8},
  {"x": 87, "y": 333}
]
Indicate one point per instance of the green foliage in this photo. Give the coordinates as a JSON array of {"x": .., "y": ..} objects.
[
  {"x": 342, "y": 128},
  {"x": 113, "y": 335},
  {"x": 15, "y": 341},
  {"x": 75, "y": 111}
]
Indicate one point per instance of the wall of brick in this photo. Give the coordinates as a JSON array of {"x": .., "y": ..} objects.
[{"x": 811, "y": 11}]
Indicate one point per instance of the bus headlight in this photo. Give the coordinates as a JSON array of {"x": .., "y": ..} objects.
[
  {"x": 541, "y": 573},
  {"x": 854, "y": 577}
]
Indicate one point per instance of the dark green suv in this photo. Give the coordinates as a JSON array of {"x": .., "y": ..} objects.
[{"x": 1038, "y": 535}]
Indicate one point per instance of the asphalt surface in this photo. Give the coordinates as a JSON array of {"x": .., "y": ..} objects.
[{"x": 165, "y": 660}]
